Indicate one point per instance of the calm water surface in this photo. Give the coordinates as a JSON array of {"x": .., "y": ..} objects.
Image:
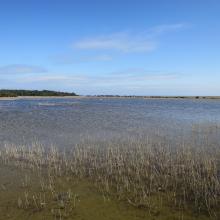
[{"x": 64, "y": 122}]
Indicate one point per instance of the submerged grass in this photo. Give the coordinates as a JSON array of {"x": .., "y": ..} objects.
[{"x": 159, "y": 180}]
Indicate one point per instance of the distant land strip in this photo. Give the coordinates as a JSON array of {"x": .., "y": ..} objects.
[
  {"x": 17, "y": 93},
  {"x": 154, "y": 97}
]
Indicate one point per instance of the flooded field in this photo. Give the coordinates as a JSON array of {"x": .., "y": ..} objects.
[{"x": 109, "y": 159}]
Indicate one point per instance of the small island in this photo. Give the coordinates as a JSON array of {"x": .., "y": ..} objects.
[{"x": 17, "y": 93}]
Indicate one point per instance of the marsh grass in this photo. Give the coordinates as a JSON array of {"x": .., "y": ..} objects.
[{"x": 147, "y": 174}]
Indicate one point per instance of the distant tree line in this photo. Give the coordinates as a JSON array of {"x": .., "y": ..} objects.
[{"x": 16, "y": 93}]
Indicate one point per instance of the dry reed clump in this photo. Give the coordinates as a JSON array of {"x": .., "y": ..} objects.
[{"x": 146, "y": 175}]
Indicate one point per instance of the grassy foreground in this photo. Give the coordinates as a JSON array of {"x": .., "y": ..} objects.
[{"x": 144, "y": 181}]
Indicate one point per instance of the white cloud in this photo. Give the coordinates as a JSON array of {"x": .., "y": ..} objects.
[
  {"x": 161, "y": 29},
  {"x": 124, "y": 78},
  {"x": 119, "y": 41},
  {"x": 21, "y": 69},
  {"x": 62, "y": 78},
  {"x": 128, "y": 41},
  {"x": 128, "y": 81}
]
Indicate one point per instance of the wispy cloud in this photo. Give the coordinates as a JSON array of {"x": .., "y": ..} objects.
[
  {"x": 71, "y": 59},
  {"x": 135, "y": 76},
  {"x": 127, "y": 81},
  {"x": 128, "y": 41},
  {"x": 162, "y": 29},
  {"x": 21, "y": 69},
  {"x": 54, "y": 78},
  {"x": 123, "y": 42}
]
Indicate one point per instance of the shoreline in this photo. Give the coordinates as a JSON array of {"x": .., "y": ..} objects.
[{"x": 109, "y": 97}]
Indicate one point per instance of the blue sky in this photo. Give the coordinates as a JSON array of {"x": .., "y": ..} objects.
[{"x": 126, "y": 47}]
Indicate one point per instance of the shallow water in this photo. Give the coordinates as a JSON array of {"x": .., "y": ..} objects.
[
  {"x": 64, "y": 122},
  {"x": 90, "y": 203}
]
